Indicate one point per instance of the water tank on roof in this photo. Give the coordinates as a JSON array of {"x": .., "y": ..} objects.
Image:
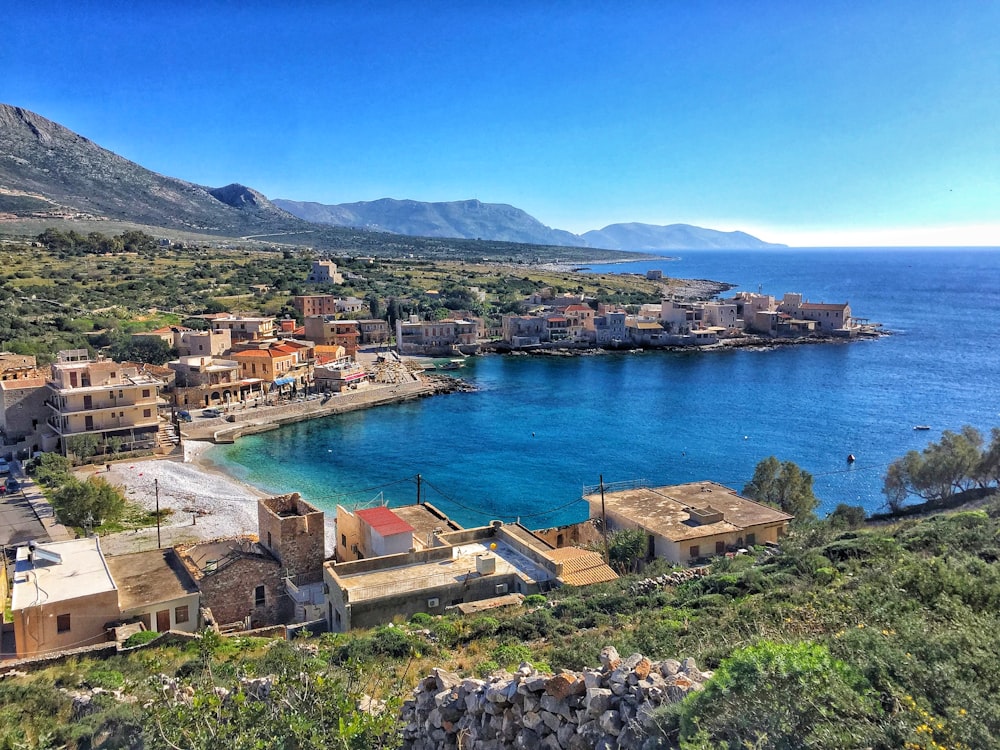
[{"x": 486, "y": 565}]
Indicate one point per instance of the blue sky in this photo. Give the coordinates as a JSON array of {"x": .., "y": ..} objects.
[{"x": 805, "y": 123}]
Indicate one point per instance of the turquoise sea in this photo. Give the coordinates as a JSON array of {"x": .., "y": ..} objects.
[{"x": 538, "y": 429}]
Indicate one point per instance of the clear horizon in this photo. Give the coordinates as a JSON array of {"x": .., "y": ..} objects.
[{"x": 842, "y": 125}]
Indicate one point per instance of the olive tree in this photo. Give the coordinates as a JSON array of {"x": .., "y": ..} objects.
[{"x": 783, "y": 485}]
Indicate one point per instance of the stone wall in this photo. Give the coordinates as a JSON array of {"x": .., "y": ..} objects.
[{"x": 602, "y": 708}]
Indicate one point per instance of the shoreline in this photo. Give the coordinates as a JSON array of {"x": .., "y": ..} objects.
[
  {"x": 203, "y": 501},
  {"x": 206, "y": 502}
]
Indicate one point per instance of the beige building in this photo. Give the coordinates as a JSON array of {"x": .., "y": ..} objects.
[
  {"x": 324, "y": 272},
  {"x": 155, "y": 589},
  {"x": 205, "y": 381},
  {"x": 68, "y": 594},
  {"x": 203, "y": 343},
  {"x": 416, "y": 336},
  {"x": 326, "y": 330},
  {"x": 371, "y": 532},
  {"x": 245, "y": 328},
  {"x": 686, "y": 522},
  {"x": 102, "y": 398},
  {"x": 63, "y": 596},
  {"x": 479, "y": 565},
  {"x": 374, "y": 331}
]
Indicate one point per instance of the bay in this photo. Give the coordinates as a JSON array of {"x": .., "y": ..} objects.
[{"x": 539, "y": 428}]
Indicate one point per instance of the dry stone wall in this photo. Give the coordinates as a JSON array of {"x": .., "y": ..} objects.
[{"x": 602, "y": 708}]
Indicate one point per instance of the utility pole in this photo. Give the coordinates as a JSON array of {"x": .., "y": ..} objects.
[
  {"x": 604, "y": 524},
  {"x": 156, "y": 488},
  {"x": 418, "y": 489}
]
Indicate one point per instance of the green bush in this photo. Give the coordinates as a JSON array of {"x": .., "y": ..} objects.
[
  {"x": 774, "y": 695},
  {"x": 421, "y": 619},
  {"x": 511, "y": 655},
  {"x": 486, "y": 668},
  {"x": 141, "y": 638}
]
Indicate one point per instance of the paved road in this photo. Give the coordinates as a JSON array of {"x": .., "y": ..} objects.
[
  {"x": 18, "y": 522},
  {"x": 27, "y": 515}
]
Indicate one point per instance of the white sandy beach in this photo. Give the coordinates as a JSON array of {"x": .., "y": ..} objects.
[{"x": 204, "y": 502}]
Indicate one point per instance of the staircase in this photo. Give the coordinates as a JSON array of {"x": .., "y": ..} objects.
[{"x": 167, "y": 437}]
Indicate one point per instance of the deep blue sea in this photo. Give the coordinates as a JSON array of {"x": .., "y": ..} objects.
[{"x": 539, "y": 429}]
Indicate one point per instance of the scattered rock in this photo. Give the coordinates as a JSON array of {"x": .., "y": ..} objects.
[{"x": 606, "y": 708}]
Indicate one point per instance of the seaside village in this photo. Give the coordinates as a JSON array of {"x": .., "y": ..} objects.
[{"x": 237, "y": 374}]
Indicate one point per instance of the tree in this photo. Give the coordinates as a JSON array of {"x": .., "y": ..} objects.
[
  {"x": 135, "y": 241},
  {"x": 93, "y": 502},
  {"x": 374, "y": 305},
  {"x": 146, "y": 349},
  {"x": 988, "y": 470},
  {"x": 846, "y": 516},
  {"x": 955, "y": 464},
  {"x": 83, "y": 446},
  {"x": 626, "y": 548},
  {"x": 785, "y": 486},
  {"x": 51, "y": 469}
]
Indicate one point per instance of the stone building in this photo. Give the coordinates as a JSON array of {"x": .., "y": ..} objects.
[
  {"x": 293, "y": 531},
  {"x": 266, "y": 582},
  {"x": 240, "y": 581}
]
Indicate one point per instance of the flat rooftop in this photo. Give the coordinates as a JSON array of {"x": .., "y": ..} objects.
[
  {"x": 666, "y": 511},
  {"x": 146, "y": 577},
  {"x": 80, "y": 571},
  {"x": 459, "y": 568},
  {"x": 425, "y": 520}
]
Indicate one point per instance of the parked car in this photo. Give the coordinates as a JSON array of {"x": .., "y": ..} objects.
[
  {"x": 184, "y": 415},
  {"x": 12, "y": 484},
  {"x": 4, "y": 467},
  {"x": 211, "y": 412}
]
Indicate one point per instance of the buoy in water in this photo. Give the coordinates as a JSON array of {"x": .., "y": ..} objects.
[{"x": 850, "y": 458}]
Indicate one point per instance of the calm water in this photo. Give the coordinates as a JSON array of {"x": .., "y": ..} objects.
[{"x": 539, "y": 429}]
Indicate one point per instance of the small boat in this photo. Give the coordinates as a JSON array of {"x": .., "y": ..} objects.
[
  {"x": 922, "y": 427},
  {"x": 850, "y": 458}
]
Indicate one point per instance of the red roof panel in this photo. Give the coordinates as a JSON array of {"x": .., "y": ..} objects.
[{"x": 384, "y": 521}]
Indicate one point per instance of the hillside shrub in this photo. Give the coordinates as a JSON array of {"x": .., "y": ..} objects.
[{"x": 773, "y": 695}]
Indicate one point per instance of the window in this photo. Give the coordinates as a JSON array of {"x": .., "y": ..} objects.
[
  {"x": 258, "y": 596},
  {"x": 694, "y": 551},
  {"x": 751, "y": 540},
  {"x": 146, "y": 412},
  {"x": 343, "y": 540},
  {"x": 180, "y": 614},
  {"x": 145, "y": 392},
  {"x": 62, "y": 623}
]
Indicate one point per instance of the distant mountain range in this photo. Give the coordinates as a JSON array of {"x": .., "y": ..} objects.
[
  {"x": 48, "y": 171},
  {"x": 472, "y": 219}
]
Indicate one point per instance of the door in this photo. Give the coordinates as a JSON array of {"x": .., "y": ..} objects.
[{"x": 163, "y": 621}]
